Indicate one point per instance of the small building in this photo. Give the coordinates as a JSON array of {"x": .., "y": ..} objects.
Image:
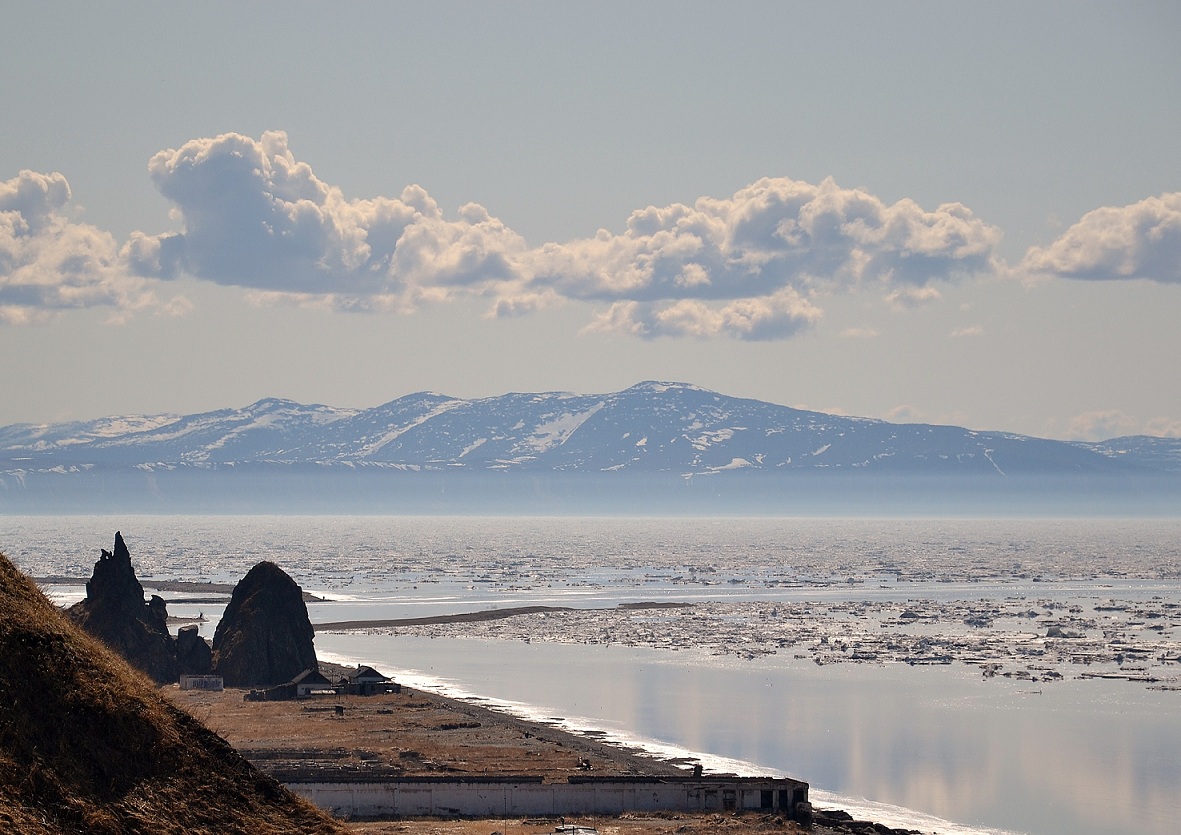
[
  {"x": 369, "y": 682},
  {"x": 312, "y": 682},
  {"x": 212, "y": 683}
]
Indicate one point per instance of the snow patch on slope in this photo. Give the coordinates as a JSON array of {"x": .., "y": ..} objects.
[
  {"x": 479, "y": 442},
  {"x": 371, "y": 448},
  {"x": 554, "y": 433},
  {"x": 707, "y": 439}
]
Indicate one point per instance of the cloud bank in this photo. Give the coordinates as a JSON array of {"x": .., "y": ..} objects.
[
  {"x": 746, "y": 266},
  {"x": 756, "y": 265}
]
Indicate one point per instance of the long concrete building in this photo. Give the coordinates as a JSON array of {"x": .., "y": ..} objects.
[{"x": 524, "y": 796}]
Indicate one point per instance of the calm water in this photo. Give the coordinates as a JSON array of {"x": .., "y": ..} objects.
[
  {"x": 1075, "y": 757},
  {"x": 1067, "y": 757}
]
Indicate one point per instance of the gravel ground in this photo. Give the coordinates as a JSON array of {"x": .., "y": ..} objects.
[{"x": 421, "y": 733}]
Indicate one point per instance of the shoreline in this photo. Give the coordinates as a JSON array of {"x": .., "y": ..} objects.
[
  {"x": 860, "y": 810},
  {"x": 419, "y": 733}
]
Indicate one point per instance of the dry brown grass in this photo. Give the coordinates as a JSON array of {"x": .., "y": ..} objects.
[
  {"x": 87, "y": 744},
  {"x": 411, "y": 733}
]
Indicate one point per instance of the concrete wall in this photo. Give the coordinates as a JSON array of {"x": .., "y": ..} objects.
[
  {"x": 493, "y": 798},
  {"x": 188, "y": 682}
]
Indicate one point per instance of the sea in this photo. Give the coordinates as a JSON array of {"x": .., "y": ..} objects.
[{"x": 932, "y": 747}]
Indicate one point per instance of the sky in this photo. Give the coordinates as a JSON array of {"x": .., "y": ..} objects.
[{"x": 964, "y": 213}]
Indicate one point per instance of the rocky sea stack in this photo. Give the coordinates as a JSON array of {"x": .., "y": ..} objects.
[
  {"x": 87, "y": 745},
  {"x": 265, "y": 636},
  {"x": 193, "y": 655},
  {"x": 114, "y": 611}
]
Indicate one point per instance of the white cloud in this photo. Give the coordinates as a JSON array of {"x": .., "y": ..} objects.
[
  {"x": 50, "y": 263},
  {"x": 755, "y": 265},
  {"x": 970, "y": 330},
  {"x": 256, "y": 217},
  {"x": 903, "y": 413},
  {"x": 749, "y": 266},
  {"x": 1099, "y": 425},
  {"x": 1163, "y": 427},
  {"x": 908, "y": 298},
  {"x": 777, "y": 316},
  {"x": 1141, "y": 240},
  {"x": 772, "y": 234},
  {"x": 14, "y": 314},
  {"x": 859, "y": 333}
]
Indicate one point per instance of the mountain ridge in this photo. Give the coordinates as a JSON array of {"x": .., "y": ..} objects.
[
  {"x": 653, "y": 448},
  {"x": 651, "y": 426}
]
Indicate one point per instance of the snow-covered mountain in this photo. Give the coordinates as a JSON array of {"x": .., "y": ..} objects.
[
  {"x": 652, "y": 448},
  {"x": 650, "y": 427}
]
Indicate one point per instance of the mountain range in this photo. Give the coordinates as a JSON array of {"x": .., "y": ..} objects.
[{"x": 661, "y": 432}]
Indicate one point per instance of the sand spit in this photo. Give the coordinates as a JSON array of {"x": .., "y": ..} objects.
[
  {"x": 474, "y": 617},
  {"x": 220, "y": 592}
]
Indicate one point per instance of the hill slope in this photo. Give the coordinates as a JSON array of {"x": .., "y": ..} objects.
[{"x": 88, "y": 745}]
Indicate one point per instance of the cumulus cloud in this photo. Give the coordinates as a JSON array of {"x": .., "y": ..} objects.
[
  {"x": 748, "y": 266},
  {"x": 1141, "y": 240},
  {"x": 1163, "y": 427},
  {"x": 256, "y": 217},
  {"x": 970, "y": 330},
  {"x": 772, "y": 234},
  {"x": 770, "y": 245},
  {"x": 859, "y": 333},
  {"x": 754, "y": 265},
  {"x": 50, "y": 263},
  {"x": 777, "y": 316},
  {"x": 903, "y": 413},
  {"x": 1099, "y": 425},
  {"x": 908, "y": 298}
]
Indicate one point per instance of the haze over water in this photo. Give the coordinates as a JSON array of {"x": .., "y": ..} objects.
[{"x": 1041, "y": 756}]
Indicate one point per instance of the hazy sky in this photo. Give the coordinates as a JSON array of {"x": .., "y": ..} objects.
[{"x": 961, "y": 213}]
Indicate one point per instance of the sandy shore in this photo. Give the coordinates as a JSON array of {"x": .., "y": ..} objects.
[
  {"x": 418, "y": 733},
  {"x": 414, "y": 733}
]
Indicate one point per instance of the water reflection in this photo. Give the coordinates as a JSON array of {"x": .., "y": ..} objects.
[{"x": 1073, "y": 757}]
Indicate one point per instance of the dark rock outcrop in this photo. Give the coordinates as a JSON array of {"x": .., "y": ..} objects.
[
  {"x": 88, "y": 745},
  {"x": 193, "y": 655},
  {"x": 265, "y": 636},
  {"x": 114, "y": 611}
]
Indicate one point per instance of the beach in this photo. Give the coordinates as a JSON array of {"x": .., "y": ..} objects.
[{"x": 416, "y": 734}]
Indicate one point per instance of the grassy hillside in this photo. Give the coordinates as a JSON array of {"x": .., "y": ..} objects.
[{"x": 87, "y": 744}]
